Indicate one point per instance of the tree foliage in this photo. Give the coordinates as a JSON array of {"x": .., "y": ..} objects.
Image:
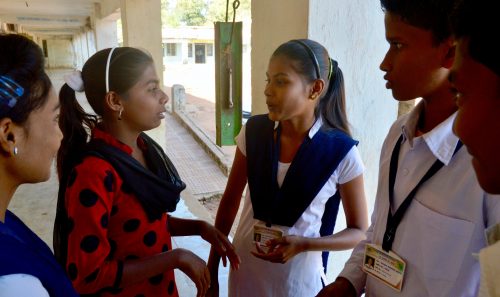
[
  {"x": 200, "y": 12},
  {"x": 217, "y": 11}
]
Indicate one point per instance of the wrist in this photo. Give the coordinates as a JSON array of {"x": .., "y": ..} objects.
[
  {"x": 304, "y": 244},
  {"x": 202, "y": 228},
  {"x": 178, "y": 256}
]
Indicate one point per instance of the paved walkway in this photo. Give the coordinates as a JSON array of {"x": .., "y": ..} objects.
[{"x": 35, "y": 204}]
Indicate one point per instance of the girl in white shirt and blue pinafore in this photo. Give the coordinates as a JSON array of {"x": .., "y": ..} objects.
[{"x": 294, "y": 159}]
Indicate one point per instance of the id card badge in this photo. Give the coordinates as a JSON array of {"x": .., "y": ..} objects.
[
  {"x": 262, "y": 233},
  {"x": 385, "y": 266}
]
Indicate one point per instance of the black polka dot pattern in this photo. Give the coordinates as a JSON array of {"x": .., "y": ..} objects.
[
  {"x": 72, "y": 177},
  {"x": 156, "y": 280},
  {"x": 112, "y": 249},
  {"x": 104, "y": 221},
  {"x": 70, "y": 225},
  {"x": 89, "y": 243},
  {"x": 171, "y": 287},
  {"x": 140, "y": 295},
  {"x": 72, "y": 271},
  {"x": 115, "y": 291},
  {"x": 92, "y": 277},
  {"x": 131, "y": 257},
  {"x": 88, "y": 198},
  {"x": 165, "y": 248},
  {"x": 126, "y": 188},
  {"x": 114, "y": 210},
  {"x": 131, "y": 225},
  {"x": 109, "y": 181},
  {"x": 150, "y": 238}
]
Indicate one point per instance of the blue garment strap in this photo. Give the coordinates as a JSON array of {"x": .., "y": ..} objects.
[
  {"x": 394, "y": 220},
  {"x": 328, "y": 223},
  {"x": 312, "y": 166},
  {"x": 22, "y": 252}
]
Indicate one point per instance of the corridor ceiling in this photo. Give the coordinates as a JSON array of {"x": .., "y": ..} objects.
[{"x": 48, "y": 17}]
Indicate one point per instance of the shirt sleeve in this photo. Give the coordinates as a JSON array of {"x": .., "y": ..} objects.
[
  {"x": 350, "y": 167},
  {"x": 241, "y": 141},
  {"x": 89, "y": 201},
  {"x": 21, "y": 285},
  {"x": 492, "y": 210},
  {"x": 353, "y": 267}
]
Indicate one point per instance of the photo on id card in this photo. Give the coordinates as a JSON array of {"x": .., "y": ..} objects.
[
  {"x": 385, "y": 266},
  {"x": 262, "y": 233}
]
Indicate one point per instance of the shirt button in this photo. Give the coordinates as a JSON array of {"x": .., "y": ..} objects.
[{"x": 405, "y": 172}]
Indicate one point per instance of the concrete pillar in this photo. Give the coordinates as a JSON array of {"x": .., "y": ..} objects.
[
  {"x": 105, "y": 28},
  {"x": 178, "y": 97},
  {"x": 289, "y": 21},
  {"x": 141, "y": 21},
  {"x": 105, "y": 33},
  {"x": 353, "y": 33}
]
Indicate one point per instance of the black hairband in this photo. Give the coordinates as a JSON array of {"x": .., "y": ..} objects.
[{"x": 311, "y": 55}]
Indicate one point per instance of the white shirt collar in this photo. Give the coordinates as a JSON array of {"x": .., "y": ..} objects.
[
  {"x": 440, "y": 140},
  {"x": 315, "y": 128}
]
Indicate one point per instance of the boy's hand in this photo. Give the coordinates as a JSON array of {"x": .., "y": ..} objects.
[{"x": 340, "y": 288}]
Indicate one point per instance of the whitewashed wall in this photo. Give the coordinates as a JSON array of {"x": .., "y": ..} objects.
[
  {"x": 353, "y": 32},
  {"x": 60, "y": 53}
]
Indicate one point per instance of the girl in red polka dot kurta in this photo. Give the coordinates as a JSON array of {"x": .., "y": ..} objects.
[{"x": 112, "y": 231}]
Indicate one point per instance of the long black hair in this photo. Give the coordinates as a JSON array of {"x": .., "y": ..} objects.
[
  {"x": 312, "y": 61},
  {"x": 22, "y": 63},
  {"x": 126, "y": 66}
]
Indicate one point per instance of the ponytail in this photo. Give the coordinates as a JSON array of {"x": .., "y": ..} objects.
[
  {"x": 75, "y": 125},
  {"x": 331, "y": 106}
]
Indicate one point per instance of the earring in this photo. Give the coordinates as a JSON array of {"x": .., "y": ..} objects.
[
  {"x": 313, "y": 96},
  {"x": 15, "y": 151},
  {"x": 120, "y": 114}
]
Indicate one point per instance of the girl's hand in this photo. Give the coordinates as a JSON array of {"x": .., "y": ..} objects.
[
  {"x": 195, "y": 268},
  {"x": 221, "y": 245},
  {"x": 280, "y": 250}
]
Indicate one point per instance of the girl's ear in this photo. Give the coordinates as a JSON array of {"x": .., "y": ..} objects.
[
  {"x": 113, "y": 101},
  {"x": 8, "y": 137},
  {"x": 317, "y": 89},
  {"x": 449, "y": 46}
]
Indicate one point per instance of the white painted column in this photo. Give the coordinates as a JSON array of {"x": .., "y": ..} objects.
[
  {"x": 353, "y": 33},
  {"x": 273, "y": 22},
  {"x": 105, "y": 30},
  {"x": 141, "y": 21}
]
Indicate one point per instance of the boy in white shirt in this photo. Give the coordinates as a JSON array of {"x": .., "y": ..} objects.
[
  {"x": 433, "y": 240},
  {"x": 476, "y": 77}
]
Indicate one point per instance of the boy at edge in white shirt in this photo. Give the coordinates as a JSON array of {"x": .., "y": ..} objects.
[
  {"x": 476, "y": 77},
  {"x": 445, "y": 221}
]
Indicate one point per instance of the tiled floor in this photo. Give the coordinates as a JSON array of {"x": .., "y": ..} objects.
[{"x": 200, "y": 173}]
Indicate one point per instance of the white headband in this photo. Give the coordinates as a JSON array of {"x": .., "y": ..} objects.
[{"x": 107, "y": 69}]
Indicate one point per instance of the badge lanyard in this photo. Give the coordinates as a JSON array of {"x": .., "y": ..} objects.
[{"x": 394, "y": 220}]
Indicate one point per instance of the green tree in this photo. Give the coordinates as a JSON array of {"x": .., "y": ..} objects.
[
  {"x": 217, "y": 11},
  {"x": 168, "y": 16},
  {"x": 192, "y": 12}
]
